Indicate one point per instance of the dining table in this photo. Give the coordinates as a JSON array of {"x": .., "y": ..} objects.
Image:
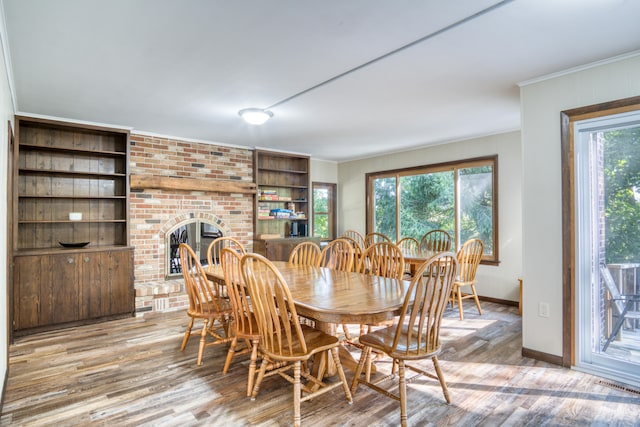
[
  {"x": 330, "y": 297},
  {"x": 415, "y": 257}
]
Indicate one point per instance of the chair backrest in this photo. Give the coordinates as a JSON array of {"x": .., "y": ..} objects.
[
  {"x": 469, "y": 257},
  {"x": 240, "y": 304},
  {"x": 372, "y": 238},
  {"x": 215, "y": 247},
  {"x": 305, "y": 253},
  {"x": 382, "y": 259},
  {"x": 273, "y": 307},
  {"x": 616, "y": 296},
  {"x": 204, "y": 296},
  {"x": 357, "y": 248},
  {"x": 355, "y": 236},
  {"x": 409, "y": 244},
  {"x": 436, "y": 241},
  {"x": 337, "y": 255},
  {"x": 418, "y": 326}
]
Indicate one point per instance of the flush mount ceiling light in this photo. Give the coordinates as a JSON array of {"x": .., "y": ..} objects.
[{"x": 255, "y": 116}]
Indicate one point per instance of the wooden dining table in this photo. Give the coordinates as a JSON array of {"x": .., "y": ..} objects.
[
  {"x": 332, "y": 297},
  {"x": 416, "y": 257}
]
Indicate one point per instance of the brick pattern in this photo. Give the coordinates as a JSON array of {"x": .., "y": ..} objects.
[{"x": 154, "y": 213}]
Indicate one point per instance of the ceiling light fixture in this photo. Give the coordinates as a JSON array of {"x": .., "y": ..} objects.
[
  {"x": 258, "y": 116},
  {"x": 255, "y": 116}
]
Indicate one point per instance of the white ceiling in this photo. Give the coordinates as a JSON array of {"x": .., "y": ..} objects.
[{"x": 185, "y": 67}]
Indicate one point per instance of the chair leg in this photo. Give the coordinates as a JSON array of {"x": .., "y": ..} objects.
[
  {"x": 203, "y": 341},
  {"x": 252, "y": 366},
  {"x": 263, "y": 370},
  {"x": 475, "y": 297},
  {"x": 230, "y": 354},
  {"x": 356, "y": 376},
  {"x": 343, "y": 378},
  {"x": 445, "y": 391},
  {"x": 402, "y": 385},
  {"x": 296, "y": 393},
  {"x": 459, "y": 294},
  {"x": 187, "y": 334},
  {"x": 347, "y": 336}
]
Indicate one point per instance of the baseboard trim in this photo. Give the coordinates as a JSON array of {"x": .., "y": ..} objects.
[
  {"x": 4, "y": 387},
  {"x": 498, "y": 301},
  {"x": 544, "y": 357}
]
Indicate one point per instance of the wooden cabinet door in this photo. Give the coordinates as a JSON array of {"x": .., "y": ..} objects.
[
  {"x": 120, "y": 276},
  {"x": 27, "y": 278},
  {"x": 64, "y": 305},
  {"x": 106, "y": 284},
  {"x": 46, "y": 290}
]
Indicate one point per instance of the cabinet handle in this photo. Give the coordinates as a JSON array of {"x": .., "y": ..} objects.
[
  {"x": 86, "y": 259},
  {"x": 70, "y": 260}
]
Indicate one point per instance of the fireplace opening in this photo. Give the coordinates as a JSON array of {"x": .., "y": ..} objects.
[{"x": 196, "y": 233}]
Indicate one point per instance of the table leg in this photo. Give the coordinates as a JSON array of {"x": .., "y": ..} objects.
[{"x": 346, "y": 358}]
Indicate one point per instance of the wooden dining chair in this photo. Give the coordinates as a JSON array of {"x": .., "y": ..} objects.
[
  {"x": 244, "y": 325},
  {"x": 415, "y": 335},
  {"x": 355, "y": 235},
  {"x": 436, "y": 241},
  {"x": 305, "y": 253},
  {"x": 337, "y": 255},
  {"x": 469, "y": 257},
  {"x": 215, "y": 248},
  {"x": 206, "y": 302},
  {"x": 283, "y": 339},
  {"x": 382, "y": 259},
  {"x": 408, "y": 244},
  {"x": 357, "y": 249},
  {"x": 372, "y": 238}
]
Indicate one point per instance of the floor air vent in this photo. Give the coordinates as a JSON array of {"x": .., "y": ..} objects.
[{"x": 620, "y": 387}]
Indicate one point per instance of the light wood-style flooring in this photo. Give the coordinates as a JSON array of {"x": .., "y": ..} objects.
[{"x": 130, "y": 372}]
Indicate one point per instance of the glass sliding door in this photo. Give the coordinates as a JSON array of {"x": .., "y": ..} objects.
[{"x": 607, "y": 241}]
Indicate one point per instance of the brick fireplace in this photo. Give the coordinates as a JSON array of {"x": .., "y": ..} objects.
[{"x": 155, "y": 212}]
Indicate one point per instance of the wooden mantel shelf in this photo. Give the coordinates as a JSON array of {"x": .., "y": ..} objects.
[{"x": 141, "y": 182}]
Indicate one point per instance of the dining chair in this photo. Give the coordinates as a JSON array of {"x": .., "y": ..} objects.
[
  {"x": 215, "y": 248},
  {"x": 372, "y": 238},
  {"x": 355, "y": 235},
  {"x": 305, "y": 253},
  {"x": 469, "y": 257},
  {"x": 415, "y": 335},
  {"x": 624, "y": 305},
  {"x": 206, "y": 302},
  {"x": 283, "y": 339},
  {"x": 244, "y": 325},
  {"x": 357, "y": 248},
  {"x": 408, "y": 244},
  {"x": 337, "y": 255},
  {"x": 382, "y": 259},
  {"x": 436, "y": 241}
]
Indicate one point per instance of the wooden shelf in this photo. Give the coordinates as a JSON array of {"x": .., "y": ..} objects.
[
  {"x": 74, "y": 151},
  {"x": 82, "y": 174},
  {"x": 82, "y": 169}
]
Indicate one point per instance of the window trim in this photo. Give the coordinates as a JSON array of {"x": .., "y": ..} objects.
[
  {"x": 440, "y": 167},
  {"x": 332, "y": 213}
]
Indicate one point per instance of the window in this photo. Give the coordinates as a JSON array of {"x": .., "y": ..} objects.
[
  {"x": 459, "y": 197},
  {"x": 324, "y": 210}
]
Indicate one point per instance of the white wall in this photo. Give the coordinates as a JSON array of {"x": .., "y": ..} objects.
[
  {"x": 324, "y": 171},
  {"x": 493, "y": 281},
  {"x": 541, "y": 104},
  {"x": 6, "y": 113}
]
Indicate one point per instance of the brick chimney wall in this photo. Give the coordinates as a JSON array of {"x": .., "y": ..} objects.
[{"x": 154, "y": 212}]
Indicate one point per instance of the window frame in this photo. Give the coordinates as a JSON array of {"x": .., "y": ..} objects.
[
  {"x": 454, "y": 166},
  {"x": 332, "y": 211}
]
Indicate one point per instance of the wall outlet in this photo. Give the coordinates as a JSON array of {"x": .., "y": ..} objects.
[{"x": 543, "y": 309}]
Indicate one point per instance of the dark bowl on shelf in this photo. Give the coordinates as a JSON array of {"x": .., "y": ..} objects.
[{"x": 74, "y": 244}]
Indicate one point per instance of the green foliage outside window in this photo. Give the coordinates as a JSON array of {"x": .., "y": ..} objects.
[
  {"x": 622, "y": 195},
  {"x": 320, "y": 213}
]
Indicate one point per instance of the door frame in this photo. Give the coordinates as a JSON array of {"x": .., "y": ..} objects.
[{"x": 569, "y": 294}]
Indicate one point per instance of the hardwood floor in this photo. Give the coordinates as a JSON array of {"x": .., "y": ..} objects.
[{"x": 131, "y": 372}]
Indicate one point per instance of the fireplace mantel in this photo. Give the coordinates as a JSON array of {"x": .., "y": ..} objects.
[{"x": 141, "y": 182}]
